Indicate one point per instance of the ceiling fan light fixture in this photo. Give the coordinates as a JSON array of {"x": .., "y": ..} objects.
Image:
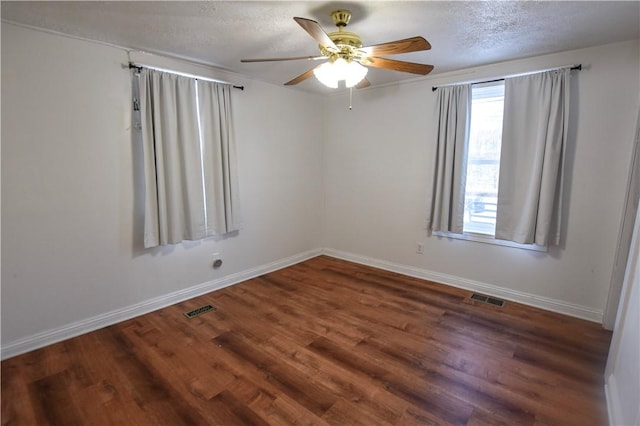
[{"x": 330, "y": 73}]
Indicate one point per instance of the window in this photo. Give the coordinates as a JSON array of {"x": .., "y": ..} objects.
[
  {"x": 483, "y": 158},
  {"x": 189, "y": 158},
  {"x": 483, "y": 166},
  {"x": 499, "y": 157}
]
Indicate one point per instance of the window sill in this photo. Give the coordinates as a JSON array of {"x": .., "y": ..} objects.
[{"x": 487, "y": 239}]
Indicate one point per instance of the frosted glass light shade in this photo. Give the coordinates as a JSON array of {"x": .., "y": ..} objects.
[{"x": 330, "y": 73}]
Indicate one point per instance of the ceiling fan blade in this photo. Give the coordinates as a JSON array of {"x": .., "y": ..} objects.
[
  {"x": 295, "y": 58},
  {"x": 413, "y": 44},
  {"x": 390, "y": 64},
  {"x": 363, "y": 83},
  {"x": 302, "y": 77},
  {"x": 315, "y": 30}
]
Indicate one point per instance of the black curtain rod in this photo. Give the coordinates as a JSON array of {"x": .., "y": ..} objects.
[
  {"x": 138, "y": 68},
  {"x": 577, "y": 67}
]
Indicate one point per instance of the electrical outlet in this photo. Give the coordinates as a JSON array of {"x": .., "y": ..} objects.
[{"x": 419, "y": 248}]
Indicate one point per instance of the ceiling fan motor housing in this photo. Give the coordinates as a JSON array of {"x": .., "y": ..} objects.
[
  {"x": 346, "y": 41},
  {"x": 346, "y": 38}
]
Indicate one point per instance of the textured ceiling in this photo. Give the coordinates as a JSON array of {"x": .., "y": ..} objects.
[{"x": 220, "y": 33}]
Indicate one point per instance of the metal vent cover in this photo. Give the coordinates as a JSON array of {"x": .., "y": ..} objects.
[
  {"x": 487, "y": 299},
  {"x": 199, "y": 311}
]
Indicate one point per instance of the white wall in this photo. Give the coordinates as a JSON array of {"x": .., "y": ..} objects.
[
  {"x": 378, "y": 177},
  {"x": 71, "y": 212}
]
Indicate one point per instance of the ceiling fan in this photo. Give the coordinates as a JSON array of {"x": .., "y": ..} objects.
[{"x": 345, "y": 57}]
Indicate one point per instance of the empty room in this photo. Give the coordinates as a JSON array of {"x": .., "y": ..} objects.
[{"x": 338, "y": 213}]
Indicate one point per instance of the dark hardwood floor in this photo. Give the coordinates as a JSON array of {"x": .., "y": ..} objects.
[{"x": 322, "y": 342}]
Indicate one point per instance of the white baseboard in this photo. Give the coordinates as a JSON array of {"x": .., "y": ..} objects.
[
  {"x": 613, "y": 402},
  {"x": 489, "y": 289},
  {"x": 94, "y": 323}
]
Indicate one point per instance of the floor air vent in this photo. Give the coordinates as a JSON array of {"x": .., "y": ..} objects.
[
  {"x": 199, "y": 311},
  {"x": 487, "y": 299}
]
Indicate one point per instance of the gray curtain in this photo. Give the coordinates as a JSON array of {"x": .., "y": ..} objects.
[
  {"x": 450, "y": 168},
  {"x": 219, "y": 158},
  {"x": 181, "y": 168},
  {"x": 534, "y": 135}
]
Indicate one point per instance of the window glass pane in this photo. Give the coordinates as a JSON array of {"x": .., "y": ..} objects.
[{"x": 483, "y": 161}]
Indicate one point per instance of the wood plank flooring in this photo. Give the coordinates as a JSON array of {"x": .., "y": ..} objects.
[{"x": 322, "y": 342}]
